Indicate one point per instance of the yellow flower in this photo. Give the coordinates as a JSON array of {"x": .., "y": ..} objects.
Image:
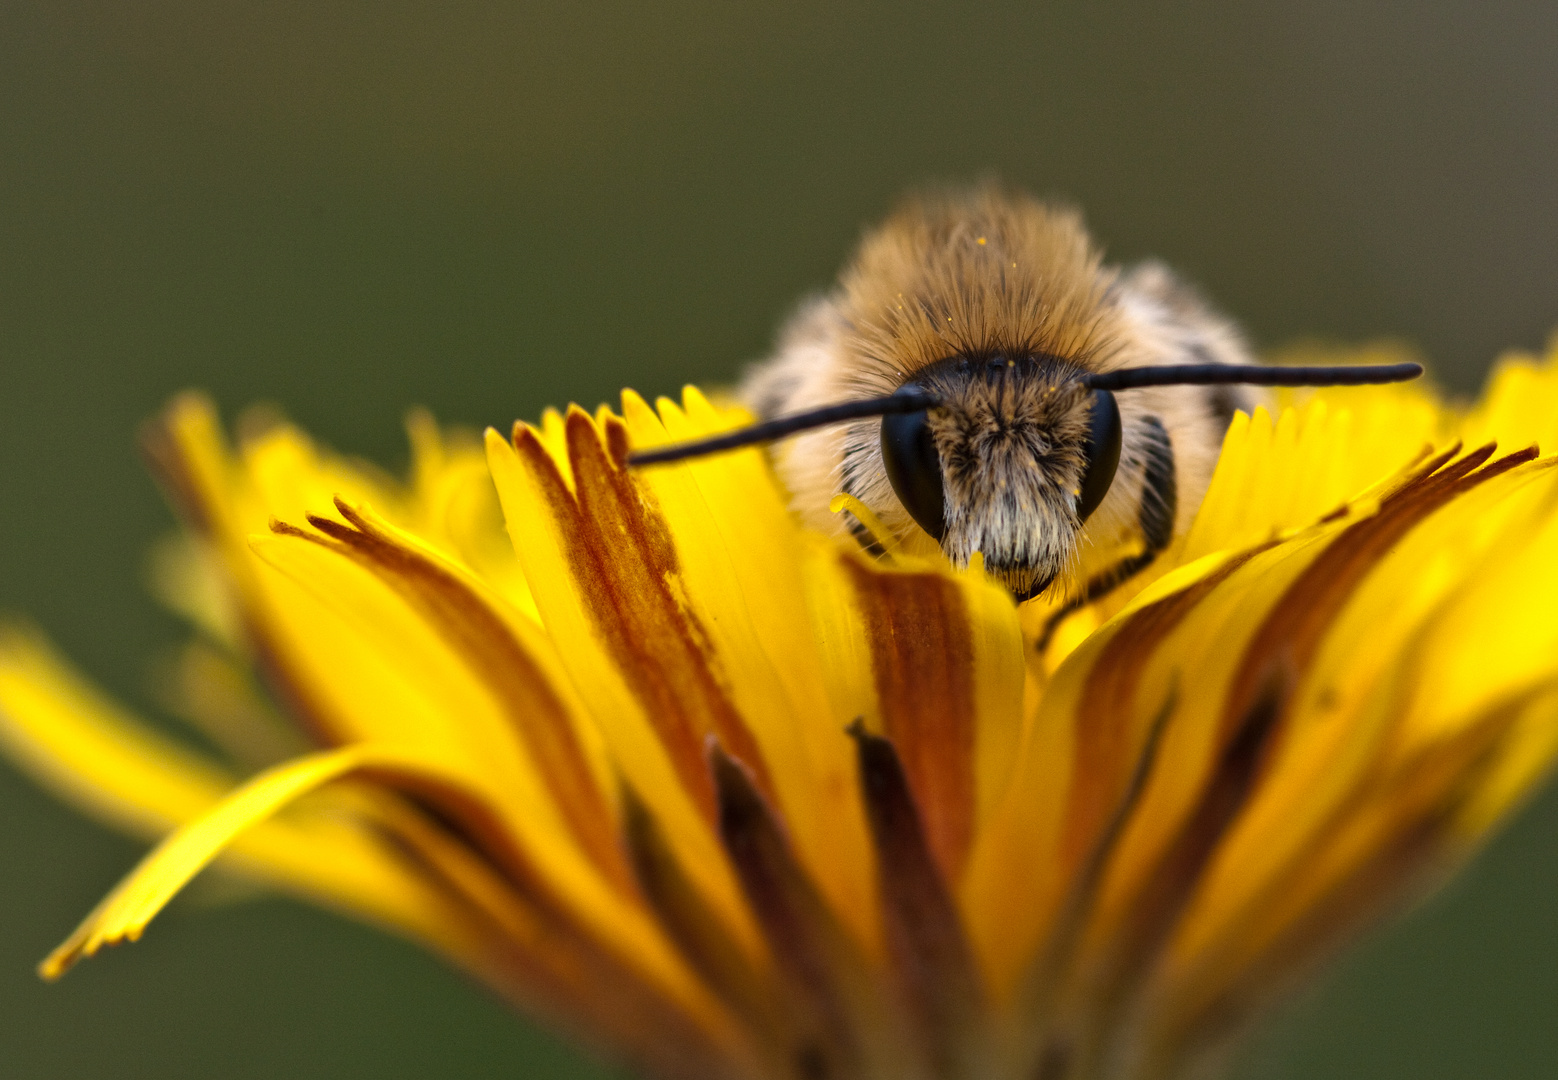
[{"x": 731, "y": 800}]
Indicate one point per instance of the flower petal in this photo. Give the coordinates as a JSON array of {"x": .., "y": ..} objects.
[
  {"x": 745, "y": 562},
  {"x": 850, "y": 1026},
  {"x": 547, "y": 962},
  {"x": 549, "y": 950},
  {"x": 421, "y": 694},
  {"x": 456, "y": 508},
  {"x": 930, "y": 950},
  {"x": 116, "y": 768},
  {"x": 511, "y": 657},
  {"x": 543, "y": 522},
  {"x": 922, "y": 658},
  {"x": 124, "y": 913},
  {"x": 747, "y": 985}
]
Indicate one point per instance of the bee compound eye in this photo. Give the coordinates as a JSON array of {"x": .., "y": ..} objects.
[
  {"x": 1101, "y": 453},
  {"x": 914, "y": 469}
]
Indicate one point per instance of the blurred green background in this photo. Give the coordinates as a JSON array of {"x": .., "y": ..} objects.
[{"x": 348, "y": 208}]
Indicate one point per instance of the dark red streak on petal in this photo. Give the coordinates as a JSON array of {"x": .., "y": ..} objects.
[
  {"x": 546, "y": 960},
  {"x": 925, "y": 936},
  {"x": 827, "y": 978},
  {"x": 626, "y": 569},
  {"x": 1262, "y": 688},
  {"x": 1286, "y": 643},
  {"x": 1107, "y": 749},
  {"x": 1397, "y": 859},
  {"x": 922, "y": 660},
  {"x": 747, "y": 988},
  {"x": 479, "y": 636}
]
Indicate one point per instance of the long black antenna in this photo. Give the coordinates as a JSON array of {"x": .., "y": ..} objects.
[
  {"x": 912, "y": 399},
  {"x": 1251, "y": 375},
  {"x": 904, "y": 401}
]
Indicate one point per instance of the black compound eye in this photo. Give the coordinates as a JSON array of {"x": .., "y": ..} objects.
[
  {"x": 1101, "y": 453},
  {"x": 914, "y": 469}
]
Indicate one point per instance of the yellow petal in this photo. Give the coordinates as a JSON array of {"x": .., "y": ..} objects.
[
  {"x": 355, "y": 662},
  {"x": 187, "y": 577},
  {"x": 740, "y": 556},
  {"x": 510, "y": 656},
  {"x": 408, "y": 687},
  {"x": 538, "y": 505},
  {"x": 115, "y": 768},
  {"x": 455, "y": 507},
  {"x": 1516, "y": 406},
  {"x": 125, "y": 912}
]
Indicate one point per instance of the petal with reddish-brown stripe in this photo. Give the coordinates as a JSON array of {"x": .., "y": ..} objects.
[
  {"x": 637, "y": 597},
  {"x": 511, "y": 656},
  {"x": 850, "y": 1027},
  {"x": 925, "y": 937},
  {"x": 922, "y": 661},
  {"x": 658, "y": 756}
]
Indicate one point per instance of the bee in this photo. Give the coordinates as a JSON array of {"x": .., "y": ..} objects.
[{"x": 983, "y": 382}]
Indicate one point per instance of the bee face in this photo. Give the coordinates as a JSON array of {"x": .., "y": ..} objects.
[{"x": 1015, "y": 457}]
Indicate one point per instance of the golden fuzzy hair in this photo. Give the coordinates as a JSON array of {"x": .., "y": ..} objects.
[
  {"x": 976, "y": 273},
  {"x": 1010, "y": 439}
]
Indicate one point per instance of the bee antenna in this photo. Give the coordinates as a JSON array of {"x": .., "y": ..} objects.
[
  {"x": 904, "y": 401},
  {"x": 1251, "y": 375}
]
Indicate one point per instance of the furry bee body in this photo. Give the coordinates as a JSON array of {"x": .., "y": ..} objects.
[{"x": 996, "y": 303}]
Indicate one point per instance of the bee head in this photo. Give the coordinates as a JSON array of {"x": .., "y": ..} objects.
[{"x": 1010, "y": 462}]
